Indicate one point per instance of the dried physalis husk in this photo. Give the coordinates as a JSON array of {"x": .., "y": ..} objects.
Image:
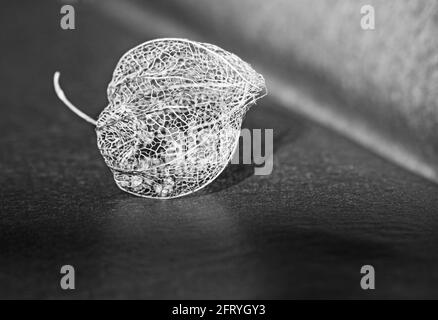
[{"x": 174, "y": 116}]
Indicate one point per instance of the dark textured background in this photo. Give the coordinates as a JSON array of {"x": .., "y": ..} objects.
[{"x": 328, "y": 208}]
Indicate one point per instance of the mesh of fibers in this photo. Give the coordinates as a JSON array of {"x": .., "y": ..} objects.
[{"x": 174, "y": 116}]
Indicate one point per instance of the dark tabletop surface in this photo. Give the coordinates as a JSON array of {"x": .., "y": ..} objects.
[{"x": 304, "y": 231}]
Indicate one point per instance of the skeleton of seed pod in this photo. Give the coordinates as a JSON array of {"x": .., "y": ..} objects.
[{"x": 174, "y": 115}]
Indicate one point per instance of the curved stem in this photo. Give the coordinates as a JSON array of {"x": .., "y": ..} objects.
[{"x": 63, "y": 98}]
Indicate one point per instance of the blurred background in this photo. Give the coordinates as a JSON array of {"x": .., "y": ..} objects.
[
  {"x": 378, "y": 87},
  {"x": 354, "y": 114}
]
